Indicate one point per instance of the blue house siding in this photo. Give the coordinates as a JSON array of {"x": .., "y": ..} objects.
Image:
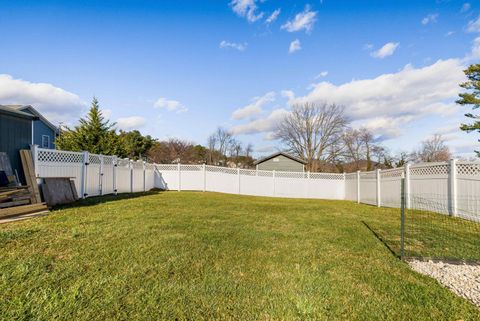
[
  {"x": 39, "y": 130},
  {"x": 15, "y": 134}
]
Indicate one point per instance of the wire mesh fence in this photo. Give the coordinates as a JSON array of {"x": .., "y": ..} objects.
[{"x": 436, "y": 228}]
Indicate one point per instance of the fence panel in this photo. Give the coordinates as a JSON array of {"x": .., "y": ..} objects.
[
  {"x": 291, "y": 184},
  {"x": 254, "y": 182},
  {"x": 368, "y": 188},
  {"x": 107, "y": 175},
  {"x": 390, "y": 187},
  {"x": 351, "y": 188},
  {"x": 325, "y": 185},
  {"x": 149, "y": 176},
  {"x": 53, "y": 163},
  {"x": 123, "y": 176},
  {"x": 221, "y": 179},
  {"x": 191, "y": 177},
  {"x": 166, "y": 177},
  {"x": 468, "y": 190},
  {"x": 431, "y": 181},
  {"x": 137, "y": 176}
]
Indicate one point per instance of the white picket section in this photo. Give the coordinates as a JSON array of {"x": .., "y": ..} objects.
[{"x": 449, "y": 187}]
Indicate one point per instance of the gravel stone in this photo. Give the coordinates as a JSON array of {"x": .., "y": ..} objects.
[{"x": 462, "y": 279}]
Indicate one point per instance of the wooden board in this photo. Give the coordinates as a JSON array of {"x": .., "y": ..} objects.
[
  {"x": 25, "y": 209},
  {"x": 5, "y": 164},
  {"x": 29, "y": 171},
  {"x": 57, "y": 191}
]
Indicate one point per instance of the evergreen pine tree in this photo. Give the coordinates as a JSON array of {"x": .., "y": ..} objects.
[
  {"x": 471, "y": 98},
  {"x": 94, "y": 134}
]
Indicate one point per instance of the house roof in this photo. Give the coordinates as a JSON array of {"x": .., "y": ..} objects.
[
  {"x": 278, "y": 154},
  {"x": 15, "y": 112},
  {"x": 30, "y": 108}
]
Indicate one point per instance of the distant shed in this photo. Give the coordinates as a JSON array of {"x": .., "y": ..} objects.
[{"x": 281, "y": 162}]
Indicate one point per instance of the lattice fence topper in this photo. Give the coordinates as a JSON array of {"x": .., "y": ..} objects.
[
  {"x": 430, "y": 169},
  {"x": 108, "y": 160},
  {"x": 265, "y": 173},
  {"x": 248, "y": 172},
  {"x": 291, "y": 175},
  {"x": 54, "y": 156},
  {"x": 468, "y": 169},
  {"x": 368, "y": 175},
  {"x": 150, "y": 166},
  {"x": 351, "y": 176},
  {"x": 123, "y": 163},
  {"x": 166, "y": 167},
  {"x": 392, "y": 173},
  {"x": 191, "y": 168},
  {"x": 137, "y": 165},
  {"x": 225, "y": 170},
  {"x": 94, "y": 159},
  {"x": 331, "y": 176}
]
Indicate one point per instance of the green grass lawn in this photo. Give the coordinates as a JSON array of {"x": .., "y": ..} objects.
[{"x": 204, "y": 256}]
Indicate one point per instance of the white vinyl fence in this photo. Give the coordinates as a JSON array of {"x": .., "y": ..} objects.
[{"x": 453, "y": 186}]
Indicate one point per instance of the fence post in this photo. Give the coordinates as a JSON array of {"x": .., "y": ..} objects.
[
  {"x": 407, "y": 186},
  {"x": 144, "y": 179},
  {"x": 358, "y": 187},
  {"x": 130, "y": 164},
  {"x": 344, "y": 186},
  {"x": 273, "y": 180},
  {"x": 179, "y": 178},
  {"x": 238, "y": 179},
  {"x": 34, "y": 151},
  {"x": 115, "y": 165},
  {"x": 379, "y": 191},
  {"x": 100, "y": 176},
  {"x": 402, "y": 219},
  {"x": 204, "y": 169},
  {"x": 84, "y": 174},
  {"x": 452, "y": 177}
]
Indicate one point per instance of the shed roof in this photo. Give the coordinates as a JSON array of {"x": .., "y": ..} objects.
[
  {"x": 22, "y": 108},
  {"x": 14, "y": 112},
  {"x": 278, "y": 154}
]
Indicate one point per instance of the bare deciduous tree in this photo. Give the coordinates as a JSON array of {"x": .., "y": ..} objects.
[
  {"x": 313, "y": 132},
  {"x": 433, "y": 150}
]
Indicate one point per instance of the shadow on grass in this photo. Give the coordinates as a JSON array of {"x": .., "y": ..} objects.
[
  {"x": 384, "y": 242},
  {"x": 95, "y": 200}
]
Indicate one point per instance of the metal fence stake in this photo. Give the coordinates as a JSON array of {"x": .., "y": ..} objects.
[{"x": 402, "y": 219}]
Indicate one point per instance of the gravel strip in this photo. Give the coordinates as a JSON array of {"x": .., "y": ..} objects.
[{"x": 462, "y": 279}]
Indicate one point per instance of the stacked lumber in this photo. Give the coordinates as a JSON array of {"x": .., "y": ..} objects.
[{"x": 17, "y": 200}]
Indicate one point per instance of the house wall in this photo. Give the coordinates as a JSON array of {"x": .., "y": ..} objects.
[
  {"x": 15, "y": 134},
  {"x": 40, "y": 129},
  {"x": 281, "y": 163}
]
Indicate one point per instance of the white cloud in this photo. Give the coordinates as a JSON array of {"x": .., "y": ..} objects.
[
  {"x": 387, "y": 50},
  {"x": 465, "y": 7},
  {"x": 255, "y": 107},
  {"x": 233, "y": 45},
  {"x": 170, "y": 105},
  {"x": 295, "y": 45},
  {"x": 448, "y": 34},
  {"x": 56, "y": 104},
  {"x": 246, "y": 9},
  {"x": 321, "y": 75},
  {"x": 129, "y": 123},
  {"x": 303, "y": 20},
  {"x": 107, "y": 113},
  {"x": 385, "y": 127},
  {"x": 474, "y": 25},
  {"x": 273, "y": 16},
  {"x": 430, "y": 18},
  {"x": 410, "y": 92},
  {"x": 263, "y": 125},
  {"x": 289, "y": 94}
]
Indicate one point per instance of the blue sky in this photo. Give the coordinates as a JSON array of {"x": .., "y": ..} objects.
[{"x": 182, "y": 68}]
